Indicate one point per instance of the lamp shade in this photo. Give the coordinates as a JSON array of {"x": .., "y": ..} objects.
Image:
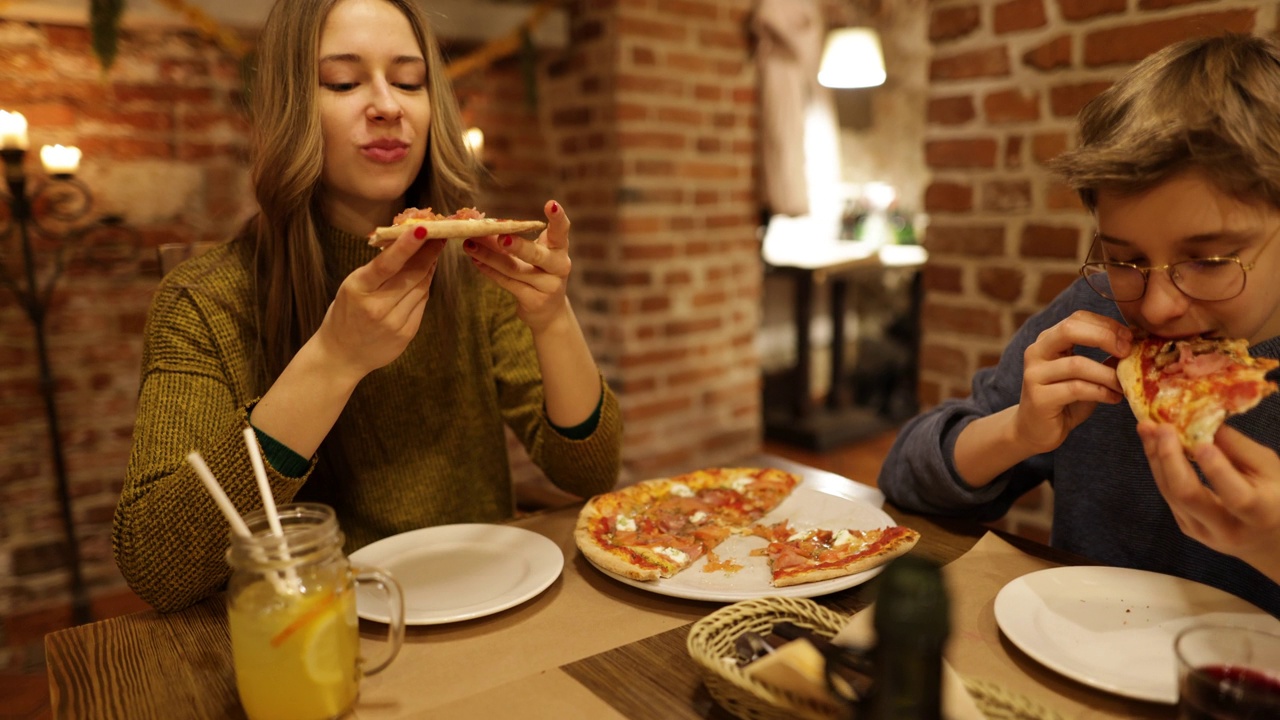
[{"x": 852, "y": 59}]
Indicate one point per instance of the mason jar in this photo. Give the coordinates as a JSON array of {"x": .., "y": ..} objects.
[{"x": 291, "y": 606}]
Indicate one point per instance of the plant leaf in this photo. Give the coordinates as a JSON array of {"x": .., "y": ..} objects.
[{"x": 104, "y": 26}]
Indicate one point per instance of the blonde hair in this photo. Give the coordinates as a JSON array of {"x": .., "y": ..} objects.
[
  {"x": 291, "y": 286},
  {"x": 1212, "y": 104}
]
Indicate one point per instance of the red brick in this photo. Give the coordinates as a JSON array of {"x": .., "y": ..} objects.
[
  {"x": 943, "y": 278},
  {"x": 681, "y": 116},
  {"x": 661, "y": 409},
  {"x": 736, "y": 41},
  {"x": 948, "y": 197},
  {"x": 1047, "y": 146},
  {"x": 1000, "y": 283},
  {"x": 1052, "y": 284},
  {"x": 59, "y": 115},
  {"x": 650, "y": 140},
  {"x": 1049, "y": 241},
  {"x": 955, "y": 110},
  {"x": 953, "y": 22},
  {"x": 979, "y": 241},
  {"x": 1131, "y": 43},
  {"x": 1061, "y": 197},
  {"x": 656, "y": 29},
  {"x": 688, "y": 9},
  {"x": 1011, "y": 106},
  {"x": 681, "y": 328},
  {"x": 1017, "y": 15},
  {"x": 943, "y": 359},
  {"x": 989, "y": 62},
  {"x": 687, "y": 62},
  {"x": 976, "y": 153},
  {"x": 1013, "y": 152},
  {"x": 969, "y": 320},
  {"x": 1086, "y": 9},
  {"x": 1050, "y": 55},
  {"x": 625, "y": 82},
  {"x": 1006, "y": 195},
  {"x": 644, "y": 56},
  {"x": 1067, "y": 100}
]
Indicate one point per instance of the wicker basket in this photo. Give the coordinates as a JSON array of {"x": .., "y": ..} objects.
[{"x": 711, "y": 645}]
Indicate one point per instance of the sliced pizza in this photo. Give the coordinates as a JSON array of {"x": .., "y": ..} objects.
[
  {"x": 465, "y": 223},
  {"x": 804, "y": 556},
  {"x": 656, "y": 528},
  {"x": 1194, "y": 383}
]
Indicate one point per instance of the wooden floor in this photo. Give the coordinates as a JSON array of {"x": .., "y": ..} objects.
[{"x": 25, "y": 695}]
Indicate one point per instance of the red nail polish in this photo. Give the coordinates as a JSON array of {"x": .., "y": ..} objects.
[
  {"x": 420, "y": 232},
  {"x": 506, "y": 240},
  {"x": 555, "y": 208}
]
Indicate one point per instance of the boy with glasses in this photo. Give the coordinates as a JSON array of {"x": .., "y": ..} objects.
[{"x": 1179, "y": 162}]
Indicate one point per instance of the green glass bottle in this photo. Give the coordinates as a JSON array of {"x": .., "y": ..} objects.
[{"x": 912, "y": 623}]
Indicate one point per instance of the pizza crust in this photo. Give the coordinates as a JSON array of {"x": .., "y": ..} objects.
[
  {"x": 603, "y": 557},
  {"x": 1129, "y": 371},
  {"x": 900, "y": 546},
  {"x": 455, "y": 229}
]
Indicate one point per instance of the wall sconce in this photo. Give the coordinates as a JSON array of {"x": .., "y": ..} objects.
[
  {"x": 852, "y": 59},
  {"x": 57, "y": 210},
  {"x": 474, "y": 140}
]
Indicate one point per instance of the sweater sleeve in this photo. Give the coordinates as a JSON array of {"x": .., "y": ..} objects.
[
  {"x": 168, "y": 537},
  {"x": 585, "y": 466},
  {"x": 919, "y": 472}
]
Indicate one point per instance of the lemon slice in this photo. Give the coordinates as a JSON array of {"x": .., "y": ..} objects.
[{"x": 322, "y": 646}]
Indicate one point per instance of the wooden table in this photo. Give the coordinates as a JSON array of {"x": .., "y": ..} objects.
[
  {"x": 589, "y": 646},
  {"x": 802, "y": 421}
]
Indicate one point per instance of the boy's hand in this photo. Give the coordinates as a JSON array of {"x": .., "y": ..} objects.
[
  {"x": 1239, "y": 513},
  {"x": 1059, "y": 388}
]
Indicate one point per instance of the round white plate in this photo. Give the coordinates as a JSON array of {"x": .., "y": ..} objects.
[
  {"x": 458, "y": 572},
  {"x": 828, "y": 501},
  {"x": 1112, "y": 628}
]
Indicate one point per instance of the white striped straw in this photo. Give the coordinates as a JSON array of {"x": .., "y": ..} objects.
[
  {"x": 228, "y": 510},
  {"x": 268, "y": 501}
]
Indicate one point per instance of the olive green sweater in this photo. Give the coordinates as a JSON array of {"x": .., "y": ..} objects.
[{"x": 423, "y": 437}]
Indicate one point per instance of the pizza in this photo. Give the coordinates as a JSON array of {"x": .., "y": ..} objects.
[
  {"x": 657, "y": 528},
  {"x": 465, "y": 223},
  {"x": 811, "y": 555},
  {"x": 1193, "y": 383}
]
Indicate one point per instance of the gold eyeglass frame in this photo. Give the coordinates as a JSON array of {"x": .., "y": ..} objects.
[{"x": 1170, "y": 269}]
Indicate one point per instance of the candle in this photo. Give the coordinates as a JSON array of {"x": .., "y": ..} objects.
[
  {"x": 13, "y": 131},
  {"x": 59, "y": 160}
]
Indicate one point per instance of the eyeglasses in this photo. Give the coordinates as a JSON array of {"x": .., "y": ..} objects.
[{"x": 1208, "y": 279}]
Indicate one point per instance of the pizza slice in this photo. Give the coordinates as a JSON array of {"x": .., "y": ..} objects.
[
  {"x": 656, "y": 528},
  {"x": 1193, "y": 383},
  {"x": 804, "y": 556},
  {"x": 465, "y": 223}
]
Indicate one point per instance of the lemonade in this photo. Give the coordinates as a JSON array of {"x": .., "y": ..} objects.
[{"x": 295, "y": 653}]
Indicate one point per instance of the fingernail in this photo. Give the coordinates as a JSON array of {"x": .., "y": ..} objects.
[
  {"x": 555, "y": 208},
  {"x": 420, "y": 232},
  {"x": 506, "y": 240},
  {"x": 468, "y": 245}
]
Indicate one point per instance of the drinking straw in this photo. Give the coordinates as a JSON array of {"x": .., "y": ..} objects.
[
  {"x": 268, "y": 501},
  {"x": 228, "y": 510}
]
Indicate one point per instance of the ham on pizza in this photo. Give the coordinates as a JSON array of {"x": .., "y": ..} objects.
[{"x": 465, "y": 223}]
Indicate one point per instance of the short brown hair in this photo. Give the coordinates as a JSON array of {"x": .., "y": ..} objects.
[{"x": 1210, "y": 103}]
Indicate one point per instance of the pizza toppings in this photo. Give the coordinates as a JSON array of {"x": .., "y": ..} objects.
[
  {"x": 657, "y": 528},
  {"x": 1193, "y": 384},
  {"x": 464, "y": 223}
]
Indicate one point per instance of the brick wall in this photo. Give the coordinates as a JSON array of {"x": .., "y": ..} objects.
[
  {"x": 644, "y": 129},
  {"x": 1007, "y": 78}
]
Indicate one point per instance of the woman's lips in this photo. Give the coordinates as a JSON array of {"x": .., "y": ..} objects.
[{"x": 385, "y": 153}]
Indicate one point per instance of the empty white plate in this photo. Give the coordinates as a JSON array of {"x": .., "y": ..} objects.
[
  {"x": 1112, "y": 628},
  {"x": 458, "y": 572}
]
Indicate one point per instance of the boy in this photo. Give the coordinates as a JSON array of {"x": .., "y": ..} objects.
[{"x": 1179, "y": 162}]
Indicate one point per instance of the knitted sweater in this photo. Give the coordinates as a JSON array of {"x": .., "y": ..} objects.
[
  {"x": 1106, "y": 505},
  {"x": 423, "y": 437}
]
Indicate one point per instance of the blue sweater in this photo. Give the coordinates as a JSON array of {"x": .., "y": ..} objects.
[{"x": 1106, "y": 505}]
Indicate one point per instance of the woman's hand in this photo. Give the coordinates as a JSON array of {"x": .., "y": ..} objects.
[
  {"x": 536, "y": 272},
  {"x": 1059, "y": 388},
  {"x": 379, "y": 306},
  {"x": 1238, "y": 514}
]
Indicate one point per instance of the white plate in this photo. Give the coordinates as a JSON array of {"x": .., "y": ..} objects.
[
  {"x": 820, "y": 501},
  {"x": 1112, "y": 628},
  {"x": 459, "y": 572}
]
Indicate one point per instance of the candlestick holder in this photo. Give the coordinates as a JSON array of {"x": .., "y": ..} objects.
[{"x": 56, "y": 214}]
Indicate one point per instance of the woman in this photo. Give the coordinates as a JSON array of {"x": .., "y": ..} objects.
[{"x": 377, "y": 382}]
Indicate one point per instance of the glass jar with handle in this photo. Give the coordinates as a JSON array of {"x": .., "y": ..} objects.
[{"x": 291, "y": 606}]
